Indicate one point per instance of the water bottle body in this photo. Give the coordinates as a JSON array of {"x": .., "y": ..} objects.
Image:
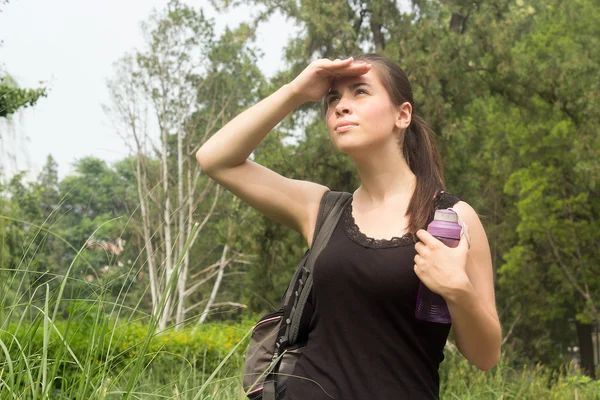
[{"x": 431, "y": 306}]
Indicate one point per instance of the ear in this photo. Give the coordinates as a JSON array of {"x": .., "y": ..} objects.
[{"x": 404, "y": 115}]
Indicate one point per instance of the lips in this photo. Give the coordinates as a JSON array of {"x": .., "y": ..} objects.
[{"x": 344, "y": 125}]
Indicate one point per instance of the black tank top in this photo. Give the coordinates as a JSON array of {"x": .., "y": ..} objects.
[{"x": 364, "y": 341}]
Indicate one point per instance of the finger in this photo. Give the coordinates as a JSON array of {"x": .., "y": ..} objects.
[
  {"x": 419, "y": 247},
  {"x": 346, "y": 67},
  {"x": 417, "y": 259},
  {"x": 357, "y": 65},
  {"x": 427, "y": 238},
  {"x": 417, "y": 270},
  {"x": 354, "y": 69},
  {"x": 326, "y": 64},
  {"x": 346, "y": 61}
]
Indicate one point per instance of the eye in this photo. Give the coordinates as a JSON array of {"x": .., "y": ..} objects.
[
  {"x": 361, "y": 91},
  {"x": 332, "y": 98}
]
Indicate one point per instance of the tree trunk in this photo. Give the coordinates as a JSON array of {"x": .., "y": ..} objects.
[
  {"x": 147, "y": 237},
  {"x": 188, "y": 205},
  {"x": 586, "y": 348},
  {"x": 457, "y": 22},
  {"x": 376, "y": 29},
  {"x": 168, "y": 260},
  {"x": 215, "y": 290},
  {"x": 182, "y": 230}
]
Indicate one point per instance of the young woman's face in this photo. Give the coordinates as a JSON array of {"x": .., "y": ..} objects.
[{"x": 360, "y": 113}]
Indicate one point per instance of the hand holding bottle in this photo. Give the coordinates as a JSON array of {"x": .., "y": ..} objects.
[{"x": 440, "y": 264}]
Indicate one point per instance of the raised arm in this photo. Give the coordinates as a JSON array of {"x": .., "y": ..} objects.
[{"x": 224, "y": 157}]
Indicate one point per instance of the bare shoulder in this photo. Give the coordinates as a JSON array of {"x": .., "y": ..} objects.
[{"x": 469, "y": 216}]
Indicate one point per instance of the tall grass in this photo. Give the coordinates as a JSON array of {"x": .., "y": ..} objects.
[
  {"x": 460, "y": 380},
  {"x": 54, "y": 346},
  {"x": 90, "y": 346}
]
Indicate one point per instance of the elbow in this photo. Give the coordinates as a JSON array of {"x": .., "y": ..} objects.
[
  {"x": 203, "y": 160},
  {"x": 490, "y": 362}
]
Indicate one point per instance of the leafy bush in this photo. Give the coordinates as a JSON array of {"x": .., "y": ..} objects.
[
  {"x": 460, "y": 380},
  {"x": 109, "y": 348}
]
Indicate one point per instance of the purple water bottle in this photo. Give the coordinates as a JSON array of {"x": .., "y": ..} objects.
[{"x": 431, "y": 306}]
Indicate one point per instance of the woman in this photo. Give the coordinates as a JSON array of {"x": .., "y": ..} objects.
[{"x": 364, "y": 341}]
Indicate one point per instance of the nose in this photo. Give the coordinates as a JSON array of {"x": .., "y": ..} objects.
[{"x": 342, "y": 108}]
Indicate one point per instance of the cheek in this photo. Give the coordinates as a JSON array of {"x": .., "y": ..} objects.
[{"x": 380, "y": 118}]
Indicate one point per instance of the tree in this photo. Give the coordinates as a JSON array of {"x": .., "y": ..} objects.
[
  {"x": 190, "y": 82},
  {"x": 12, "y": 98}
]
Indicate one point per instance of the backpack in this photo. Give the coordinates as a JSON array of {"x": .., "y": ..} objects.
[{"x": 274, "y": 344}]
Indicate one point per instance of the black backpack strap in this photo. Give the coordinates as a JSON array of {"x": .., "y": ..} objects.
[
  {"x": 330, "y": 211},
  {"x": 445, "y": 200},
  {"x": 331, "y": 203}
]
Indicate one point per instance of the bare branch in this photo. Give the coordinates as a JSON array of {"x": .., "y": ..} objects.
[
  {"x": 196, "y": 285},
  {"x": 510, "y": 330},
  {"x": 216, "y": 286},
  {"x": 564, "y": 268},
  {"x": 229, "y": 303}
]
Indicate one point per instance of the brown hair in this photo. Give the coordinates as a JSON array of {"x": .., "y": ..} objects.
[{"x": 418, "y": 144}]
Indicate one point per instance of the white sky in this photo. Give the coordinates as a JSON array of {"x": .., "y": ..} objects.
[{"x": 71, "y": 46}]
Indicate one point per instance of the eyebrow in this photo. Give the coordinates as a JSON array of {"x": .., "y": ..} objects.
[{"x": 351, "y": 87}]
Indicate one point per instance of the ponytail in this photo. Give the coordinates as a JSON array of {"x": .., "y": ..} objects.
[{"x": 422, "y": 156}]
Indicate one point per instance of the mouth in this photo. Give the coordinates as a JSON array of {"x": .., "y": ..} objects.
[{"x": 344, "y": 126}]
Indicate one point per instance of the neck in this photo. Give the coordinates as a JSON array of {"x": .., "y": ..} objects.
[{"x": 385, "y": 177}]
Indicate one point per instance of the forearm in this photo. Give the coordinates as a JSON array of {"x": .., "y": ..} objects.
[
  {"x": 477, "y": 332},
  {"x": 233, "y": 144}
]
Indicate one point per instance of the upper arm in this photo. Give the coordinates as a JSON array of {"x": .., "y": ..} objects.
[
  {"x": 294, "y": 203},
  {"x": 479, "y": 260}
]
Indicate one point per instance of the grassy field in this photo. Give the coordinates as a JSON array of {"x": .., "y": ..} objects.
[
  {"x": 90, "y": 357},
  {"x": 54, "y": 346}
]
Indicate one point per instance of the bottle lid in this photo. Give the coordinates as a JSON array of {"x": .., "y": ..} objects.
[{"x": 446, "y": 215}]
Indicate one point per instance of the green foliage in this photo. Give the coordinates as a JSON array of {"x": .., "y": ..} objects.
[
  {"x": 13, "y": 98},
  {"x": 201, "y": 349},
  {"x": 459, "y": 380}
]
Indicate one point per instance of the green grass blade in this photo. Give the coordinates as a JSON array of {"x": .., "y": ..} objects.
[{"x": 216, "y": 371}]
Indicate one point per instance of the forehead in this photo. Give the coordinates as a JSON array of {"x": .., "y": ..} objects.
[{"x": 342, "y": 82}]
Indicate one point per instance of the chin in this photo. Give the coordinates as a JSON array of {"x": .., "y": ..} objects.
[
  {"x": 355, "y": 145},
  {"x": 352, "y": 149}
]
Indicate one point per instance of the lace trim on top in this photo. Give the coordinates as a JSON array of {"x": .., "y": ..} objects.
[{"x": 353, "y": 232}]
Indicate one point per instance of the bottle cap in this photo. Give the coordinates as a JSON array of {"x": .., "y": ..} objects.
[{"x": 446, "y": 215}]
